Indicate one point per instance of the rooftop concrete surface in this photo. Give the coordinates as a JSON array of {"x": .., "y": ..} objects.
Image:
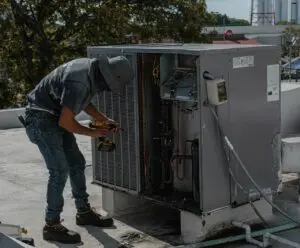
[{"x": 23, "y": 181}]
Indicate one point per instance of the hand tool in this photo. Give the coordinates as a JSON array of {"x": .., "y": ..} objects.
[{"x": 105, "y": 144}]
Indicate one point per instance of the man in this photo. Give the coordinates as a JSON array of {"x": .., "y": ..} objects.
[{"x": 50, "y": 124}]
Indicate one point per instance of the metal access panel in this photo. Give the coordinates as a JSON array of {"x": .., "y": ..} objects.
[
  {"x": 250, "y": 119},
  {"x": 119, "y": 169}
]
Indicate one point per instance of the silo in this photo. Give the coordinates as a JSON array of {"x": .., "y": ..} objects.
[
  {"x": 270, "y": 12},
  {"x": 259, "y": 9}
]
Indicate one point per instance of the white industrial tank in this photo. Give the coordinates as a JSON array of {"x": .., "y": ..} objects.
[
  {"x": 263, "y": 12},
  {"x": 259, "y": 6}
]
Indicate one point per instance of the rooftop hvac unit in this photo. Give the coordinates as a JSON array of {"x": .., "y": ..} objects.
[{"x": 170, "y": 149}]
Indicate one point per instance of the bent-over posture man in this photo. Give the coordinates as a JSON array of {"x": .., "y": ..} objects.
[{"x": 50, "y": 124}]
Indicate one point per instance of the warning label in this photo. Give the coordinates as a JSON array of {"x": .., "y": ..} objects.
[{"x": 243, "y": 62}]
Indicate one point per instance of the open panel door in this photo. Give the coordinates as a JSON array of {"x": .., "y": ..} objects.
[{"x": 119, "y": 169}]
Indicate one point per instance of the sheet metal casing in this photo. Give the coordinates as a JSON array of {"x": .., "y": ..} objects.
[{"x": 249, "y": 120}]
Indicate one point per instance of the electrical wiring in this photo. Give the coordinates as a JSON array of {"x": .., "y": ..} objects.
[
  {"x": 232, "y": 174},
  {"x": 173, "y": 80}
]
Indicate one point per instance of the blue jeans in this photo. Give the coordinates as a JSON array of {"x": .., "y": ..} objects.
[{"x": 62, "y": 157}]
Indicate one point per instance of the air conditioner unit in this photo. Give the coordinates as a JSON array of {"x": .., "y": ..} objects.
[{"x": 171, "y": 149}]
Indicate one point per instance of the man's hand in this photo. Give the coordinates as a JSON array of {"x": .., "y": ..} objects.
[
  {"x": 114, "y": 123},
  {"x": 92, "y": 111}
]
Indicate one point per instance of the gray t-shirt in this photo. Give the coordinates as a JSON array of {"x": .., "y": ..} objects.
[{"x": 72, "y": 84}]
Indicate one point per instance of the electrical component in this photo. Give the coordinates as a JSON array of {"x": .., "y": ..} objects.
[
  {"x": 181, "y": 84},
  {"x": 216, "y": 91}
]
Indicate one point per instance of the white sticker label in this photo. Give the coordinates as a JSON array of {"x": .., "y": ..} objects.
[
  {"x": 273, "y": 83},
  {"x": 243, "y": 62}
]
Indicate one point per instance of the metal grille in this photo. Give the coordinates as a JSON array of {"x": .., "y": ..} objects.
[{"x": 120, "y": 168}]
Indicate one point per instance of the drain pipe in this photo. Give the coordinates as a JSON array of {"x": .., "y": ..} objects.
[
  {"x": 232, "y": 239},
  {"x": 266, "y": 238},
  {"x": 249, "y": 238},
  {"x": 269, "y": 236}
]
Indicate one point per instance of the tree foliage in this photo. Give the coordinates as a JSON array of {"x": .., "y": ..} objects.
[
  {"x": 38, "y": 35},
  {"x": 217, "y": 19},
  {"x": 286, "y": 23},
  {"x": 291, "y": 42}
]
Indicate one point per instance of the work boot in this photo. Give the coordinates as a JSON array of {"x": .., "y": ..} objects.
[
  {"x": 55, "y": 231},
  {"x": 90, "y": 217}
]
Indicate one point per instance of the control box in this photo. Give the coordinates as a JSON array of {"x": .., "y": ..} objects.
[{"x": 216, "y": 91}]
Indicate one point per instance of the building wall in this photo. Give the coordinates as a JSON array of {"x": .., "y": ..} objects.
[
  {"x": 269, "y": 40},
  {"x": 298, "y": 11},
  {"x": 287, "y": 10},
  {"x": 294, "y": 10},
  {"x": 278, "y": 8},
  {"x": 284, "y": 10}
]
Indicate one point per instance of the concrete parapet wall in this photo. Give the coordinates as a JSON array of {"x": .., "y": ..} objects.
[
  {"x": 9, "y": 118},
  {"x": 290, "y": 108}
]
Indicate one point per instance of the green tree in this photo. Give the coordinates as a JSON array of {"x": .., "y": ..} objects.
[
  {"x": 10, "y": 48},
  {"x": 291, "y": 42},
  {"x": 286, "y": 22},
  {"x": 181, "y": 20},
  {"x": 221, "y": 19},
  {"x": 38, "y": 35}
]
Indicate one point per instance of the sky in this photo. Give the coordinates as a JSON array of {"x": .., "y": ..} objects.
[{"x": 233, "y": 8}]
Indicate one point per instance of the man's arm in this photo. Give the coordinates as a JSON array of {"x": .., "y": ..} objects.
[
  {"x": 67, "y": 121},
  {"x": 98, "y": 116},
  {"x": 93, "y": 112},
  {"x": 73, "y": 96}
]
